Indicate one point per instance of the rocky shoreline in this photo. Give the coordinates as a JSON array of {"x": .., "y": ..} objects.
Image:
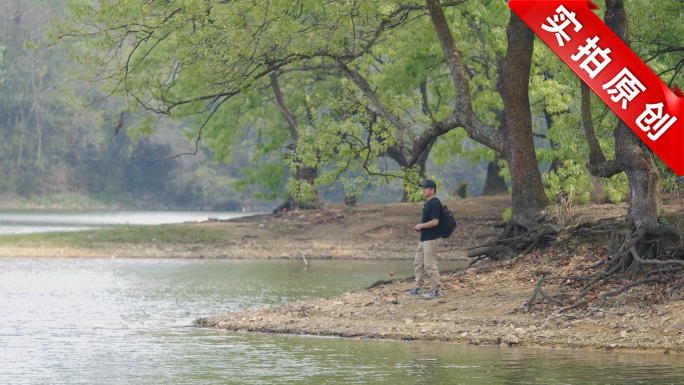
[{"x": 479, "y": 307}]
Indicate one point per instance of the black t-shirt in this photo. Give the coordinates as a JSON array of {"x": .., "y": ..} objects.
[{"x": 431, "y": 210}]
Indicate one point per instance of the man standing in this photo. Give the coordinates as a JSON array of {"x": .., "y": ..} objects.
[{"x": 425, "y": 262}]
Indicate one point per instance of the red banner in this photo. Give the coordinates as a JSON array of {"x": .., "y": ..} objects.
[{"x": 610, "y": 68}]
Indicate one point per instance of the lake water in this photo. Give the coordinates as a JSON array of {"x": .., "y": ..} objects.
[
  {"x": 103, "y": 321},
  {"x": 32, "y": 221}
]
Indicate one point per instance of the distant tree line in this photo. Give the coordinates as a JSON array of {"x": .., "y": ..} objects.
[{"x": 59, "y": 132}]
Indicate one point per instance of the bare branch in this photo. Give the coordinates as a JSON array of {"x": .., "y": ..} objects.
[
  {"x": 596, "y": 156},
  {"x": 280, "y": 102}
]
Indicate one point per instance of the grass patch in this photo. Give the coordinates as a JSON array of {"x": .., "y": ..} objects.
[{"x": 124, "y": 235}]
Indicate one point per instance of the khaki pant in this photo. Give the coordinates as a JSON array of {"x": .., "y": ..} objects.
[{"x": 425, "y": 263}]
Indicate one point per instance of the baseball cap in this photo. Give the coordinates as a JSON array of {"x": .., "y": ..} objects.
[{"x": 429, "y": 184}]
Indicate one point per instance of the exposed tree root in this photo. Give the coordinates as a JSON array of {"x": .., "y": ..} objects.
[
  {"x": 292, "y": 205},
  {"x": 408, "y": 279},
  {"x": 646, "y": 256},
  {"x": 517, "y": 239}
]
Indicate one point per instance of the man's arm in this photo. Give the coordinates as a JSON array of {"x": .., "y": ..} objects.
[{"x": 426, "y": 225}]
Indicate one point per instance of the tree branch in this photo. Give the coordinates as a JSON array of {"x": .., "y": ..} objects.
[
  {"x": 596, "y": 155},
  {"x": 598, "y": 166},
  {"x": 424, "y": 94},
  {"x": 443, "y": 5},
  {"x": 280, "y": 102},
  {"x": 368, "y": 92},
  {"x": 463, "y": 115}
]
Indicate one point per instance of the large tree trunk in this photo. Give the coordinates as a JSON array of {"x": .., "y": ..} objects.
[
  {"x": 422, "y": 159},
  {"x": 395, "y": 154},
  {"x": 528, "y": 196},
  {"x": 631, "y": 154},
  {"x": 302, "y": 173},
  {"x": 421, "y": 162},
  {"x": 309, "y": 175},
  {"x": 517, "y": 146},
  {"x": 404, "y": 194},
  {"x": 494, "y": 184},
  {"x": 643, "y": 177}
]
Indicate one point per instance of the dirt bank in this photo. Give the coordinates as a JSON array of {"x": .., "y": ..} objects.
[{"x": 333, "y": 231}]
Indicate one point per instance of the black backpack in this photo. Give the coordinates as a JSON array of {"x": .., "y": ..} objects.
[{"x": 447, "y": 223}]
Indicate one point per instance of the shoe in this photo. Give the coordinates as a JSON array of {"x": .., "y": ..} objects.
[
  {"x": 432, "y": 294},
  {"x": 415, "y": 291}
]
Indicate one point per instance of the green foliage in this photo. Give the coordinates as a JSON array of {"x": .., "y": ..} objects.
[
  {"x": 146, "y": 126},
  {"x": 58, "y": 132},
  {"x": 616, "y": 188},
  {"x": 449, "y": 145},
  {"x": 205, "y": 184},
  {"x": 656, "y": 28},
  {"x": 462, "y": 190},
  {"x": 507, "y": 214},
  {"x": 210, "y": 60},
  {"x": 574, "y": 181},
  {"x": 354, "y": 143},
  {"x": 208, "y": 64},
  {"x": 414, "y": 192},
  {"x": 267, "y": 175},
  {"x": 569, "y": 180},
  {"x": 504, "y": 172},
  {"x": 44, "y": 133}
]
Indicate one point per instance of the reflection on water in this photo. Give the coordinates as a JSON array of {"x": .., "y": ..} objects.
[
  {"x": 25, "y": 222},
  {"x": 126, "y": 322},
  {"x": 20, "y": 228}
]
